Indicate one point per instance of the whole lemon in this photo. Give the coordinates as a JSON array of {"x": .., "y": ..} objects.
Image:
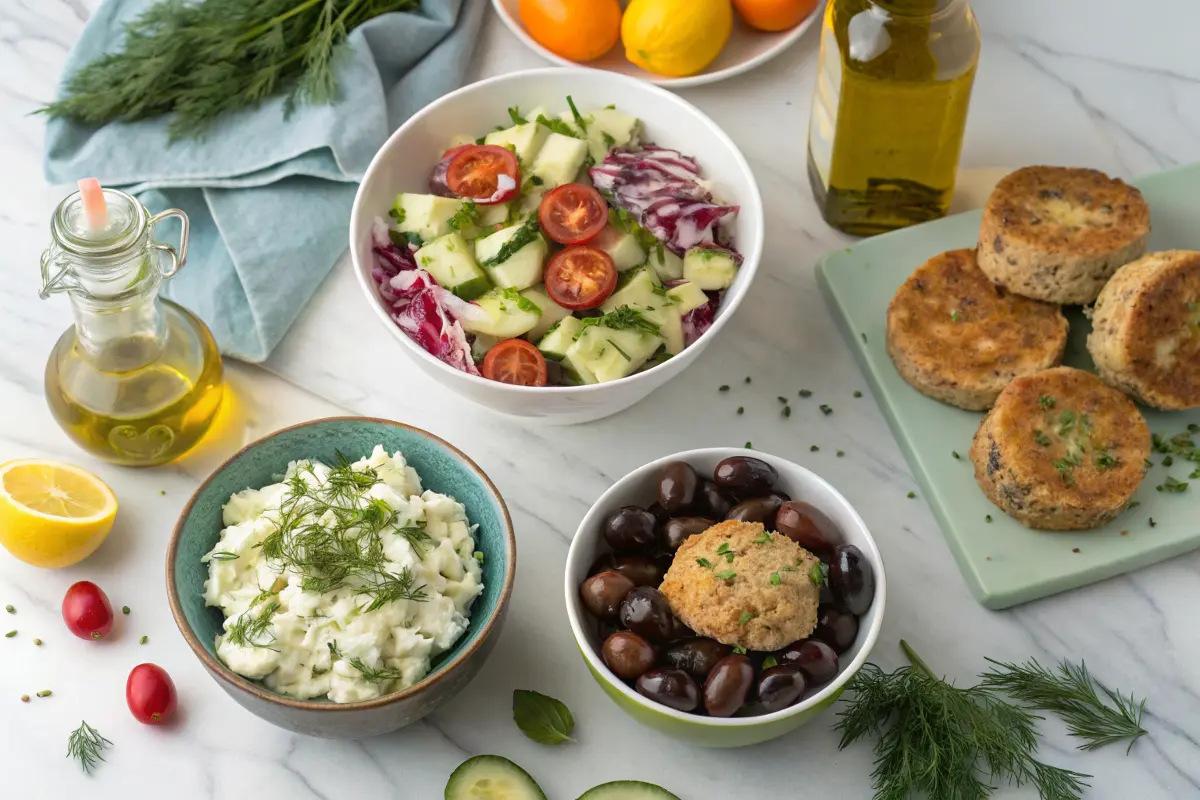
[{"x": 676, "y": 38}]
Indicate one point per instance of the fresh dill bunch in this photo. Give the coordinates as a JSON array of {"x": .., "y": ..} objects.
[
  {"x": 1070, "y": 692},
  {"x": 85, "y": 745},
  {"x": 369, "y": 674},
  {"x": 945, "y": 742},
  {"x": 393, "y": 587},
  {"x": 252, "y": 625},
  {"x": 199, "y": 60}
]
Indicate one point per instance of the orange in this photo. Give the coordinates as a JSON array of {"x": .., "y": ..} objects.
[
  {"x": 774, "y": 15},
  {"x": 579, "y": 30}
]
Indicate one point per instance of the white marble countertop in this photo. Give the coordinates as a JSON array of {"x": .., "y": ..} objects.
[{"x": 1058, "y": 83}]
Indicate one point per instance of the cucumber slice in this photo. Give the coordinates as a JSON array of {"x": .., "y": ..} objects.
[
  {"x": 557, "y": 341},
  {"x": 481, "y": 345},
  {"x": 710, "y": 269},
  {"x": 424, "y": 214},
  {"x": 524, "y": 140},
  {"x": 507, "y": 315},
  {"x": 448, "y": 259},
  {"x": 552, "y": 312},
  {"x": 492, "y": 778},
  {"x": 622, "y": 247},
  {"x": 520, "y": 270},
  {"x": 610, "y": 354},
  {"x": 667, "y": 266},
  {"x": 626, "y": 790},
  {"x": 559, "y": 160},
  {"x": 688, "y": 295}
]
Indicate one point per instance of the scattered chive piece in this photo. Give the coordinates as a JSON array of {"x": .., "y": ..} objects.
[
  {"x": 1042, "y": 439},
  {"x": 125, "y": 610},
  {"x": 864, "y": 337},
  {"x": 782, "y": 399},
  {"x": 762, "y": 538},
  {"x": 739, "y": 650},
  {"x": 818, "y": 573},
  {"x": 988, "y": 518},
  {"x": 723, "y": 387},
  {"x": 143, "y": 640},
  {"x": 745, "y": 617},
  {"x": 37, "y": 642},
  {"x": 747, "y": 379},
  {"x": 1173, "y": 486},
  {"x": 162, "y": 492},
  {"x": 748, "y": 447},
  {"x": 10, "y": 609},
  {"x": 911, "y": 495},
  {"x": 841, "y": 453},
  {"x": 857, "y": 393},
  {"x": 741, "y": 410},
  {"x": 955, "y": 316},
  {"x": 729, "y": 557},
  {"x": 805, "y": 393},
  {"x": 10, "y": 634},
  {"x": 1133, "y": 504},
  {"x": 1153, "y": 524},
  {"x": 826, "y": 410},
  {"x": 45, "y": 693},
  {"x": 770, "y": 661},
  {"x": 723, "y": 549},
  {"x": 727, "y": 575},
  {"x": 1168, "y": 461},
  {"x": 24, "y": 698},
  {"x": 775, "y": 579},
  {"x": 813, "y": 449},
  {"x": 955, "y": 454},
  {"x": 1046, "y": 401},
  {"x": 787, "y": 411}
]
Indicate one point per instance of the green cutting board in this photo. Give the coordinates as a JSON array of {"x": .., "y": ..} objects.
[{"x": 1005, "y": 563}]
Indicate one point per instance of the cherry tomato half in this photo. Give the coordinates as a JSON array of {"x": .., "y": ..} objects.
[
  {"x": 573, "y": 214},
  {"x": 485, "y": 173},
  {"x": 515, "y": 361},
  {"x": 580, "y": 277},
  {"x": 86, "y": 610},
  {"x": 150, "y": 694}
]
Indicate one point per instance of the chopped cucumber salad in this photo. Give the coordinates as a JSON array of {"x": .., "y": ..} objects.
[{"x": 557, "y": 250}]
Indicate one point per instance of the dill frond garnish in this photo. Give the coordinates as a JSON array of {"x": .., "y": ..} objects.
[
  {"x": 85, "y": 745},
  {"x": 369, "y": 674},
  {"x": 252, "y": 625}
]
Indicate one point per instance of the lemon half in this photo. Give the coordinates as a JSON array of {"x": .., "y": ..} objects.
[
  {"x": 53, "y": 514},
  {"x": 676, "y": 38}
]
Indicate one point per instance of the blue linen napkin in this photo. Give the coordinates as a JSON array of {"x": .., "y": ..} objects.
[{"x": 269, "y": 196}]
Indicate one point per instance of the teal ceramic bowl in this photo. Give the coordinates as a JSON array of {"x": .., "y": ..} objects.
[
  {"x": 443, "y": 468},
  {"x": 640, "y": 488}
]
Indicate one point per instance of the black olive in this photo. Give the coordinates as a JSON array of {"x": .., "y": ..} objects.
[
  {"x": 697, "y": 657},
  {"x": 712, "y": 501},
  {"x": 742, "y": 473},
  {"x": 808, "y": 527},
  {"x": 852, "y": 579},
  {"x": 758, "y": 509},
  {"x": 673, "y": 688},
  {"x": 677, "y": 487},
  {"x": 630, "y": 528},
  {"x": 603, "y": 594},
  {"x": 815, "y": 659},
  {"x": 648, "y": 614},
  {"x": 642, "y": 570},
  {"x": 836, "y": 628},
  {"x": 780, "y": 687},
  {"x": 628, "y": 655},
  {"x": 727, "y": 685},
  {"x": 678, "y": 530}
]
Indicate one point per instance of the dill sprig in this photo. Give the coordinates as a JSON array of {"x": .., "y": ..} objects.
[
  {"x": 369, "y": 674},
  {"x": 328, "y": 532},
  {"x": 1070, "y": 692},
  {"x": 85, "y": 745},
  {"x": 944, "y": 741},
  {"x": 199, "y": 60},
  {"x": 252, "y": 625}
]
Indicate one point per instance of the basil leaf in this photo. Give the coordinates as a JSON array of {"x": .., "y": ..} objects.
[{"x": 543, "y": 719}]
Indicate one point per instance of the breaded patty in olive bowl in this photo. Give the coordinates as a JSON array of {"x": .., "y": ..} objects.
[{"x": 724, "y": 596}]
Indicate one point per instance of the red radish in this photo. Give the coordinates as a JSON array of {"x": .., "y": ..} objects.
[
  {"x": 150, "y": 693},
  {"x": 86, "y": 610}
]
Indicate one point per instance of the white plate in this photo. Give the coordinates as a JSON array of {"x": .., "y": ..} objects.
[{"x": 746, "y": 49}]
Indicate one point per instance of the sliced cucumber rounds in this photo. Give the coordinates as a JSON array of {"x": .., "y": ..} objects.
[
  {"x": 627, "y": 790},
  {"x": 497, "y": 778}
]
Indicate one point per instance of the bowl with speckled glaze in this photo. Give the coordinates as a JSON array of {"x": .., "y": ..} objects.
[
  {"x": 443, "y": 468},
  {"x": 640, "y": 488}
]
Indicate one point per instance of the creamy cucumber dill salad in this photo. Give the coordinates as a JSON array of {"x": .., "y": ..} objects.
[
  {"x": 559, "y": 250},
  {"x": 342, "y": 581}
]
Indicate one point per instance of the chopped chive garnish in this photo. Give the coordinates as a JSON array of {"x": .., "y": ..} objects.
[
  {"x": 988, "y": 518},
  {"x": 826, "y": 410},
  {"x": 745, "y": 618},
  {"x": 125, "y": 610},
  {"x": 787, "y": 411},
  {"x": 10, "y": 634},
  {"x": 704, "y": 562},
  {"x": 857, "y": 393},
  {"x": 741, "y": 410},
  {"x": 143, "y": 640},
  {"x": 748, "y": 447},
  {"x": 1168, "y": 461},
  {"x": 775, "y": 579},
  {"x": 813, "y": 449},
  {"x": 727, "y": 575},
  {"x": 841, "y": 453},
  {"x": 10, "y": 609},
  {"x": 45, "y": 693},
  {"x": 955, "y": 454},
  {"x": 1153, "y": 524},
  {"x": 747, "y": 379},
  {"x": 782, "y": 399},
  {"x": 723, "y": 387},
  {"x": 805, "y": 393},
  {"x": 911, "y": 495}
]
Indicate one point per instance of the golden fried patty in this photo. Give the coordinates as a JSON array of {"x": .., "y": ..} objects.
[
  {"x": 960, "y": 339},
  {"x": 741, "y": 585},
  {"x": 1058, "y": 233},
  {"x": 1145, "y": 336},
  {"x": 1060, "y": 450}
]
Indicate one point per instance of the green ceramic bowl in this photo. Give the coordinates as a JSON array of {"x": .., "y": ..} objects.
[
  {"x": 443, "y": 468},
  {"x": 640, "y": 488}
]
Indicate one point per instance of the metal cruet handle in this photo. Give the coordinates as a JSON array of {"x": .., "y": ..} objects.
[{"x": 178, "y": 257}]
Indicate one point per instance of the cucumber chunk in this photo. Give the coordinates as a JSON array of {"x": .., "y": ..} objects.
[
  {"x": 622, "y": 247},
  {"x": 710, "y": 269},
  {"x": 492, "y": 778},
  {"x": 508, "y": 315},
  {"x": 626, "y": 790},
  {"x": 559, "y": 160},
  {"x": 524, "y": 140},
  {"x": 610, "y": 354},
  {"x": 552, "y": 312},
  {"x": 606, "y": 128},
  {"x": 426, "y": 215},
  {"x": 489, "y": 216},
  {"x": 667, "y": 266},
  {"x": 558, "y": 340},
  {"x": 481, "y": 345},
  {"x": 520, "y": 270},
  {"x": 688, "y": 296},
  {"x": 640, "y": 290},
  {"x": 448, "y": 259}
]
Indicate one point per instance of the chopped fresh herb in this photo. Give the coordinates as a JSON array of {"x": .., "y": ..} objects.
[
  {"x": 45, "y": 693},
  {"x": 770, "y": 661},
  {"x": 514, "y": 114},
  {"x": 481, "y": 140},
  {"x": 557, "y": 126},
  {"x": 748, "y": 447},
  {"x": 805, "y": 393},
  {"x": 125, "y": 610},
  {"x": 542, "y": 718},
  {"x": 723, "y": 387},
  {"x": 37, "y": 642},
  {"x": 775, "y": 579},
  {"x": 1046, "y": 401},
  {"x": 524, "y": 303},
  {"x": 10, "y": 634},
  {"x": 369, "y": 674},
  {"x": 704, "y": 562},
  {"x": 762, "y": 538},
  {"x": 955, "y": 316},
  {"x": 747, "y": 379},
  {"x": 1042, "y": 439},
  {"x": 1133, "y": 504},
  {"x": 724, "y": 548},
  {"x": 818, "y": 573},
  {"x": 955, "y": 454},
  {"x": 1105, "y": 461},
  {"x": 782, "y": 399},
  {"x": 464, "y": 217},
  {"x": 826, "y": 410},
  {"x": 220, "y": 555},
  {"x": 143, "y": 640},
  {"x": 857, "y": 393},
  {"x": 864, "y": 337},
  {"x": 741, "y": 410},
  {"x": 620, "y": 352},
  {"x": 85, "y": 745},
  {"x": 1172, "y": 485},
  {"x": 745, "y": 617},
  {"x": 1066, "y": 421},
  {"x": 10, "y": 609},
  {"x": 911, "y": 495},
  {"x": 398, "y": 214},
  {"x": 786, "y": 411},
  {"x": 536, "y": 180},
  {"x": 527, "y": 233},
  {"x": 1168, "y": 461},
  {"x": 478, "y": 555},
  {"x": 727, "y": 575},
  {"x": 609, "y": 141},
  {"x": 413, "y": 238},
  {"x": 579, "y": 120},
  {"x": 1153, "y": 524},
  {"x": 620, "y": 319},
  {"x": 162, "y": 492},
  {"x": 739, "y": 650},
  {"x": 988, "y": 519},
  {"x": 841, "y": 453},
  {"x": 814, "y": 449},
  {"x": 251, "y": 626}
]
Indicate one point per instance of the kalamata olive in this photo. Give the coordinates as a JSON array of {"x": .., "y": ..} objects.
[
  {"x": 852, "y": 579},
  {"x": 780, "y": 687},
  {"x": 678, "y": 529},
  {"x": 712, "y": 501},
  {"x": 836, "y": 628},
  {"x": 642, "y": 570},
  {"x": 673, "y": 688},
  {"x": 679, "y": 630},
  {"x": 630, "y": 528},
  {"x": 727, "y": 685},
  {"x": 806, "y": 526},
  {"x": 758, "y": 509},
  {"x": 742, "y": 473},
  {"x": 677, "y": 487},
  {"x": 602, "y": 594},
  {"x": 815, "y": 659},
  {"x": 697, "y": 657},
  {"x": 648, "y": 614},
  {"x": 660, "y": 514},
  {"x": 628, "y": 655}
]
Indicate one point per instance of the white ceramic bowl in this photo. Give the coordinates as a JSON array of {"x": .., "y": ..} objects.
[
  {"x": 640, "y": 487},
  {"x": 406, "y": 159},
  {"x": 747, "y": 48}
]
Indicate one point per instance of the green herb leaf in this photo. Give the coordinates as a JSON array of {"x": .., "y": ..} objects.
[
  {"x": 723, "y": 387},
  {"x": 527, "y": 234},
  {"x": 805, "y": 393},
  {"x": 579, "y": 120},
  {"x": 704, "y": 562},
  {"x": 723, "y": 548},
  {"x": 464, "y": 217},
  {"x": 1042, "y": 439},
  {"x": 745, "y": 618},
  {"x": 220, "y": 555},
  {"x": 826, "y": 410},
  {"x": 86, "y": 745},
  {"x": 770, "y": 661},
  {"x": 557, "y": 126},
  {"x": 369, "y": 674},
  {"x": 818, "y": 573},
  {"x": 1173, "y": 486},
  {"x": 541, "y": 718},
  {"x": 727, "y": 575},
  {"x": 739, "y": 650},
  {"x": 624, "y": 318},
  {"x": 776, "y": 579},
  {"x": 514, "y": 114},
  {"x": 1046, "y": 401},
  {"x": 762, "y": 538}
]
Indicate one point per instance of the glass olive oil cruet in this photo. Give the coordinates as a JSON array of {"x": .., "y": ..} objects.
[
  {"x": 889, "y": 110},
  {"x": 137, "y": 380}
]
